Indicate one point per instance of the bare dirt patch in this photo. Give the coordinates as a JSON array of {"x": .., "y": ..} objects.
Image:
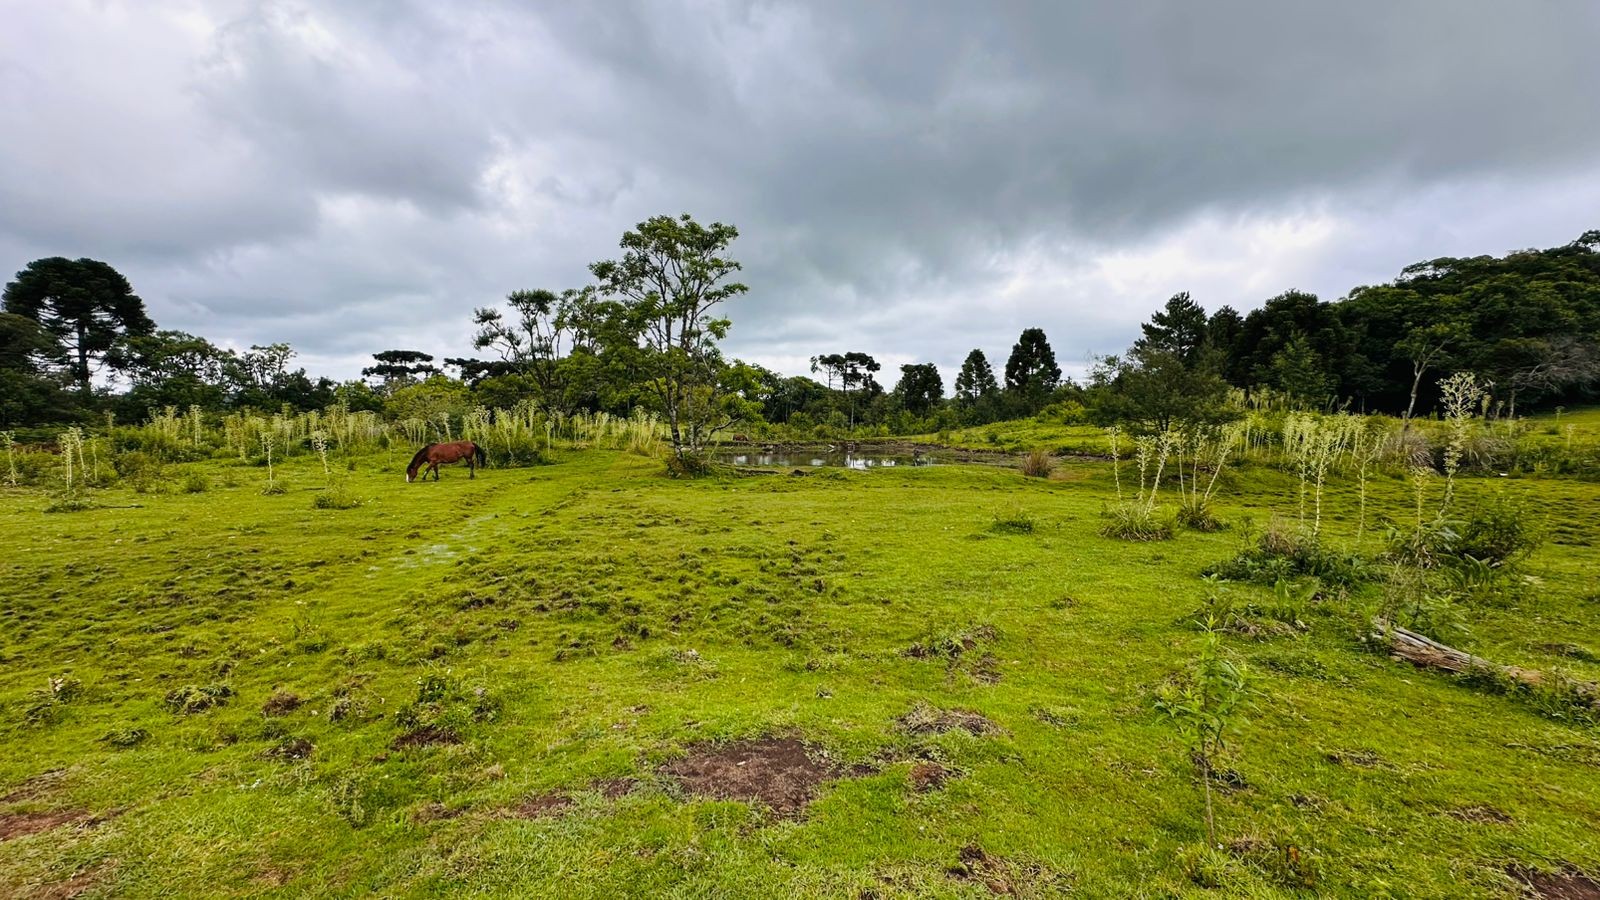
[
  {"x": 281, "y": 703},
  {"x": 35, "y": 786},
  {"x": 434, "y": 812},
  {"x": 928, "y": 776},
  {"x": 16, "y": 825},
  {"x": 613, "y": 788},
  {"x": 1564, "y": 885},
  {"x": 972, "y": 864},
  {"x": 924, "y": 719},
  {"x": 77, "y": 885},
  {"x": 425, "y": 737},
  {"x": 542, "y": 806},
  {"x": 782, "y": 773}
]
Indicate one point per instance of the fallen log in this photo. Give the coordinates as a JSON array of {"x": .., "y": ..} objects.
[{"x": 1425, "y": 652}]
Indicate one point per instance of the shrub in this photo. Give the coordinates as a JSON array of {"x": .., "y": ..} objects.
[
  {"x": 1135, "y": 522},
  {"x": 1281, "y": 554},
  {"x": 1038, "y": 464},
  {"x": 443, "y": 703},
  {"x": 1013, "y": 520},
  {"x": 195, "y": 483},
  {"x": 522, "y": 449},
  {"x": 688, "y": 465},
  {"x": 68, "y": 504},
  {"x": 1195, "y": 514},
  {"x": 1500, "y": 531},
  {"x": 336, "y": 496},
  {"x": 274, "y": 487}
]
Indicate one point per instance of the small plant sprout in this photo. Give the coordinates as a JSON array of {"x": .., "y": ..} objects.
[
  {"x": 1203, "y": 704},
  {"x": 268, "y": 439},
  {"x": 319, "y": 443},
  {"x": 1114, "y": 438},
  {"x": 71, "y": 442},
  {"x": 10, "y": 439}
]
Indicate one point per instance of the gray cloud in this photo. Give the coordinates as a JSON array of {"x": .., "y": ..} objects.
[{"x": 911, "y": 179}]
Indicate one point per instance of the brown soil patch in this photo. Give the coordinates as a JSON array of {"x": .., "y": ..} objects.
[
  {"x": 435, "y": 811},
  {"x": 35, "y": 786},
  {"x": 924, "y": 719},
  {"x": 779, "y": 772},
  {"x": 975, "y": 865},
  {"x": 75, "y": 886},
  {"x": 16, "y": 825},
  {"x": 542, "y": 806},
  {"x": 613, "y": 788},
  {"x": 928, "y": 776},
  {"x": 1565, "y": 885},
  {"x": 1479, "y": 814},
  {"x": 425, "y": 737},
  {"x": 281, "y": 703}
]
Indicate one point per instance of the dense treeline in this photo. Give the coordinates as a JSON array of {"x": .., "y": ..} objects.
[{"x": 76, "y": 344}]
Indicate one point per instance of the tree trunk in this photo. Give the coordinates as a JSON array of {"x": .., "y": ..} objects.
[
  {"x": 1417, "y": 369},
  {"x": 83, "y": 360},
  {"x": 1423, "y": 651}
]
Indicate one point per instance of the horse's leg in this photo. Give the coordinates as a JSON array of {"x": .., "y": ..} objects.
[{"x": 472, "y": 466}]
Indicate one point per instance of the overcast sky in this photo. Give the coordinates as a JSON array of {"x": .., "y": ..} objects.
[{"x": 910, "y": 179}]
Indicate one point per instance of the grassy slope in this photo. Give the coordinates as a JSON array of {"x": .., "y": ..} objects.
[{"x": 799, "y": 596}]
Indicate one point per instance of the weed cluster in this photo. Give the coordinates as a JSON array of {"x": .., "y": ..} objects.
[
  {"x": 1283, "y": 553},
  {"x": 1038, "y": 464}
]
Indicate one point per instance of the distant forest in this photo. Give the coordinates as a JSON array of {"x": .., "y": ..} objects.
[{"x": 76, "y": 345}]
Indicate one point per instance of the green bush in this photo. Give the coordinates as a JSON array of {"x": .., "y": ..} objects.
[
  {"x": 1135, "y": 522},
  {"x": 1195, "y": 514},
  {"x": 1284, "y": 555},
  {"x": 336, "y": 496},
  {"x": 688, "y": 465},
  {"x": 1038, "y": 464},
  {"x": 1500, "y": 531},
  {"x": 195, "y": 483}
]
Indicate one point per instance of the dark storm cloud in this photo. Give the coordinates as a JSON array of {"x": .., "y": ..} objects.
[{"x": 910, "y": 178}]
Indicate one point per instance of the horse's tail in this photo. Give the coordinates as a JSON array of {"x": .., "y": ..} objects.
[
  {"x": 418, "y": 460},
  {"x": 482, "y": 457}
]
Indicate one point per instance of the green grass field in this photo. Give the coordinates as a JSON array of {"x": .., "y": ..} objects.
[{"x": 474, "y": 665}]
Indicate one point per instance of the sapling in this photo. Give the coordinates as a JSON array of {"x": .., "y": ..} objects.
[
  {"x": 10, "y": 437},
  {"x": 267, "y": 441},
  {"x": 1460, "y": 394},
  {"x": 1203, "y": 704}
]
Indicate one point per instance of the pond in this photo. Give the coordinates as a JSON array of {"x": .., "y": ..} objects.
[{"x": 784, "y": 459}]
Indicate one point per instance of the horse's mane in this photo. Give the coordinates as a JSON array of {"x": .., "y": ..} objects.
[{"x": 417, "y": 460}]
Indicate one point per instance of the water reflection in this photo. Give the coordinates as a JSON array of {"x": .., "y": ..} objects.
[{"x": 815, "y": 459}]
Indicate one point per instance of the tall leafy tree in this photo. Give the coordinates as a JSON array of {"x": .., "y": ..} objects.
[
  {"x": 664, "y": 291},
  {"x": 171, "y": 368},
  {"x": 1155, "y": 390},
  {"x": 1031, "y": 370},
  {"x": 854, "y": 372},
  {"x": 539, "y": 338},
  {"x": 976, "y": 379},
  {"x": 29, "y": 391},
  {"x": 398, "y": 368},
  {"x": 1297, "y": 371},
  {"x": 920, "y": 388},
  {"x": 1178, "y": 328},
  {"x": 84, "y": 303}
]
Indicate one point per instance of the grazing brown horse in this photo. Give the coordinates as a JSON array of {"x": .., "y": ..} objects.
[{"x": 435, "y": 455}]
